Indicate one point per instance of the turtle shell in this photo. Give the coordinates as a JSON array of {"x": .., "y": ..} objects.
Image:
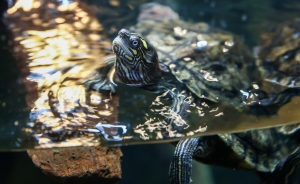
[{"x": 212, "y": 63}]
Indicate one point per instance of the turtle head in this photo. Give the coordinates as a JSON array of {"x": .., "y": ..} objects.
[{"x": 136, "y": 59}]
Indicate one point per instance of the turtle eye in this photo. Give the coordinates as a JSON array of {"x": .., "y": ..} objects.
[{"x": 134, "y": 43}]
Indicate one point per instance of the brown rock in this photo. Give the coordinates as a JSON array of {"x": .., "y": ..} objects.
[{"x": 79, "y": 165}]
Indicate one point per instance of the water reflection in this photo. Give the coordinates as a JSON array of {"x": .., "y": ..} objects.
[{"x": 61, "y": 45}]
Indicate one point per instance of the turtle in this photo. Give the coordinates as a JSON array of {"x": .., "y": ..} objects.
[
  {"x": 190, "y": 62},
  {"x": 256, "y": 149}
]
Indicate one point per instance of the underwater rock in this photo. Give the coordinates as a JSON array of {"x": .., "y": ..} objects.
[{"x": 79, "y": 165}]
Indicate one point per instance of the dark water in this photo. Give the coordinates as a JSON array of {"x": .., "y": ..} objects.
[{"x": 248, "y": 19}]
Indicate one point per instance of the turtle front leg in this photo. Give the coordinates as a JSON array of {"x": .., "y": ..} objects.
[
  {"x": 99, "y": 85},
  {"x": 103, "y": 79},
  {"x": 285, "y": 171},
  {"x": 181, "y": 166}
]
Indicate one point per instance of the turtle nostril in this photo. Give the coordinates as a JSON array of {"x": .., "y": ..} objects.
[{"x": 123, "y": 32}]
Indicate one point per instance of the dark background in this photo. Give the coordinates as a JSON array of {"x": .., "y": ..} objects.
[{"x": 148, "y": 164}]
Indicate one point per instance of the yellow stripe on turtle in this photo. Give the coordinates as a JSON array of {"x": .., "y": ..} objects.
[{"x": 144, "y": 43}]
